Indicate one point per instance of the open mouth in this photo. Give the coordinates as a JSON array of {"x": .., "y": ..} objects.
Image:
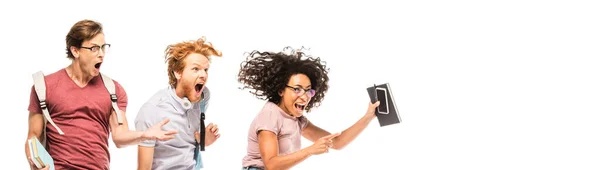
[
  {"x": 97, "y": 66},
  {"x": 300, "y": 107},
  {"x": 199, "y": 87}
]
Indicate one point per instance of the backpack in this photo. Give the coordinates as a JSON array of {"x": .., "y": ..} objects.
[{"x": 40, "y": 89}]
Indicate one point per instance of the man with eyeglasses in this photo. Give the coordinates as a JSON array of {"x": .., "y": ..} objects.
[{"x": 81, "y": 109}]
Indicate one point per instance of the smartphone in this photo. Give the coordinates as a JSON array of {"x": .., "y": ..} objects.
[{"x": 383, "y": 100}]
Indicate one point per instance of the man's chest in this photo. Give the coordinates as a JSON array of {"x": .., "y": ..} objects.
[
  {"x": 92, "y": 101},
  {"x": 186, "y": 124}
]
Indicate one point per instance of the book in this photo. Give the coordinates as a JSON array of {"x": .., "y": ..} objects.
[
  {"x": 387, "y": 111},
  {"x": 39, "y": 155}
]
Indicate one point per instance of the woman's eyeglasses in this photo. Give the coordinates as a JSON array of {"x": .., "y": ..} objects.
[{"x": 301, "y": 91}]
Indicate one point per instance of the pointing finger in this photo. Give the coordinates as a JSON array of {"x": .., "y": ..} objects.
[
  {"x": 331, "y": 136},
  {"x": 164, "y": 122},
  {"x": 171, "y": 132}
]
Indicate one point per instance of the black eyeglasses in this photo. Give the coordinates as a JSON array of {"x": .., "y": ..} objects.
[
  {"x": 301, "y": 91},
  {"x": 96, "y": 48}
]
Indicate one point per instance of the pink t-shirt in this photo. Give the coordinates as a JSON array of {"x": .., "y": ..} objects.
[
  {"x": 82, "y": 113},
  {"x": 287, "y": 128}
]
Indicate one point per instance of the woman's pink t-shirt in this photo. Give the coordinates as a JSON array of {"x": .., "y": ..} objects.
[{"x": 287, "y": 128}]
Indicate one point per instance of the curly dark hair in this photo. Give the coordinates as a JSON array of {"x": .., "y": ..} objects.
[{"x": 267, "y": 73}]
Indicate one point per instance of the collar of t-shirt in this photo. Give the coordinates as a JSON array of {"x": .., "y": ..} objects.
[{"x": 286, "y": 115}]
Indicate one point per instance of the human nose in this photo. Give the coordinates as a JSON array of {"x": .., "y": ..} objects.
[
  {"x": 304, "y": 95},
  {"x": 202, "y": 74},
  {"x": 100, "y": 53}
]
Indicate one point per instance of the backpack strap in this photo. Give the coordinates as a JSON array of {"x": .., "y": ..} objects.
[
  {"x": 40, "y": 89},
  {"x": 110, "y": 86},
  {"x": 203, "y": 107},
  {"x": 202, "y": 131}
]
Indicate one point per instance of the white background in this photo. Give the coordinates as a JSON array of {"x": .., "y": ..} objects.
[{"x": 479, "y": 84}]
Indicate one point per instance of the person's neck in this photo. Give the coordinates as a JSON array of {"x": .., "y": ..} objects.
[
  {"x": 179, "y": 91},
  {"x": 77, "y": 75},
  {"x": 282, "y": 107}
]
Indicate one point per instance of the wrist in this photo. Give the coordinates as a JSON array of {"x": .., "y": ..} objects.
[
  {"x": 305, "y": 152},
  {"x": 369, "y": 117},
  {"x": 143, "y": 136}
]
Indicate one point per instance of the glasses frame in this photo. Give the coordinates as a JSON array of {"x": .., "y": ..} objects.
[
  {"x": 300, "y": 91},
  {"x": 95, "y": 49}
]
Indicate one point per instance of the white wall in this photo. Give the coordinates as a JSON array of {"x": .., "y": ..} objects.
[{"x": 479, "y": 84}]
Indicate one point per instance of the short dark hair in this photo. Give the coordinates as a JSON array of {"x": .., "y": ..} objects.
[
  {"x": 267, "y": 74},
  {"x": 81, "y": 31}
]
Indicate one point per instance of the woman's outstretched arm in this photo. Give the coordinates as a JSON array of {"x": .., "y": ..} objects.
[
  {"x": 269, "y": 151},
  {"x": 313, "y": 132}
]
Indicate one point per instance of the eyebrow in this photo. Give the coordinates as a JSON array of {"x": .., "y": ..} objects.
[
  {"x": 94, "y": 44},
  {"x": 307, "y": 87},
  {"x": 199, "y": 65}
]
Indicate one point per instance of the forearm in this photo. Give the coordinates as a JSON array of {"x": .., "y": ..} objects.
[
  {"x": 28, "y": 155},
  {"x": 351, "y": 133},
  {"x": 27, "y": 152},
  {"x": 127, "y": 137},
  {"x": 287, "y": 161},
  {"x": 145, "y": 157},
  {"x": 36, "y": 127},
  {"x": 29, "y": 135},
  {"x": 144, "y": 164}
]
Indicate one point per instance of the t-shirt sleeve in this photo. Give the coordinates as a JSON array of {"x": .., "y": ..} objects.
[
  {"x": 34, "y": 102},
  {"x": 303, "y": 122},
  {"x": 144, "y": 120},
  {"x": 268, "y": 119},
  {"x": 121, "y": 96}
]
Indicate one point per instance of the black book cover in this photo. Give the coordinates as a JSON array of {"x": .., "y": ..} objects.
[{"x": 387, "y": 112}]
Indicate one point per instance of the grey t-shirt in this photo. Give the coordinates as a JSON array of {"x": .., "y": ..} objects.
[
  {"x": 177, "y": 153},
  {"x": 287, "y": 128}
]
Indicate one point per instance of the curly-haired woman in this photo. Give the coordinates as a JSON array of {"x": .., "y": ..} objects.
[{"x": 292, "y": 82}]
